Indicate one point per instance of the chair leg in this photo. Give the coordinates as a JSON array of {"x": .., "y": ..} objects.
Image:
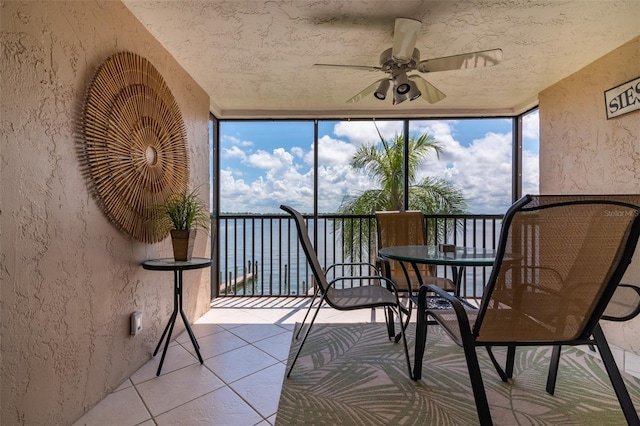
[
  {"x": 305, "y": 335},
  {"x": 404, "y": 339},
  {"x": 404, "y": 324},
  {"x": 389, "y": 318},
  {"x": 479, "y": 394},
  {"x": 511, "y": 357},
  {"x": 503, "y": 376},
  {"x": 622, "y": 393},
  {"x": 315, "y": 295},
  {"x": 421, "y": 333},
  {"x": 553, "y": 369}
]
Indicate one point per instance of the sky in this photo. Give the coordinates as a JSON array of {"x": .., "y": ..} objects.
[{"x": 267, "y": 163}]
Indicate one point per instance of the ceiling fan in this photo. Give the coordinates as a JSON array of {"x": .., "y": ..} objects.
[{"x": 404, "y": 58}]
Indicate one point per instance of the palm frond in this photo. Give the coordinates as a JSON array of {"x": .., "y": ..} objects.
[{"x": 383, "y": 162}]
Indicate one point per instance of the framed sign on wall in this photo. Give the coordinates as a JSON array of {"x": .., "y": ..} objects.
[{"x": 623, "y": 99}]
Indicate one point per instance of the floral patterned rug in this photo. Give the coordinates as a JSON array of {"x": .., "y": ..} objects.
[{"x": 350, "y": 374}]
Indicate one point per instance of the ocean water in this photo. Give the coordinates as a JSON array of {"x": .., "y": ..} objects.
[{"x": 266, "y": 249}]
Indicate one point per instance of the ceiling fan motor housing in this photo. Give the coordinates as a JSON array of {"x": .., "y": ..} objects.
[{"x": 389, "y": 64}]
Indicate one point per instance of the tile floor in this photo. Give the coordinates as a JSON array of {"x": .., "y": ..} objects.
[{"x": 244, "y": 343}]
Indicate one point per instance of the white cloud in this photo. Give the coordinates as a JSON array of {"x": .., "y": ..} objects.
[
  {"x": 233, "y": 152},
  {"x": 232, "y": 140},
  {"x": 530, "y": 173},
  {"x": 297, "y": 151},
  {"x": 269, "y": 161},
  {"x": 364, "y": 132},
  {"x": 280, "y": 183},
  {"x": 333, "y": 152},
  {"x": 531, "y": 125},
  {"x": 481, "y": 170}
]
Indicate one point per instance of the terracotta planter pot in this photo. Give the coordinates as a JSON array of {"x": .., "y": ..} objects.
[{"x": 183, "y": 244}]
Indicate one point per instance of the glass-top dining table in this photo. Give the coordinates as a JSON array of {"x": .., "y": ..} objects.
[{"x": 457, "y": 257}]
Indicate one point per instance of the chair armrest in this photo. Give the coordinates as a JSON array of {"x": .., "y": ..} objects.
[
  {"x": 464, "y": 325},
  {"x": 453, "y": 300},
  {"x": 624, "y": 304}
]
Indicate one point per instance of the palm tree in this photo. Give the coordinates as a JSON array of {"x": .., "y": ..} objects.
[{"x": 384, "y": 163}]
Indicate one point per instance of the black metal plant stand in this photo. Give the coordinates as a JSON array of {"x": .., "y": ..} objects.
[{"x": 177, "y": 267}]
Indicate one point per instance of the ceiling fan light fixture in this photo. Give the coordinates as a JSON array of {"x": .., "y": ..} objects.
[
  {"x": 401, "y": 84},
  {"x": 403, "y": 58},
  {"x": 414, "y": 93},
  {"x": 399, "y": 98},
  {"x": 383, "y": 88}
]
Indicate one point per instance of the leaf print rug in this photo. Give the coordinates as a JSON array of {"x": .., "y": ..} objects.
[{"x": 351, "y": 374}]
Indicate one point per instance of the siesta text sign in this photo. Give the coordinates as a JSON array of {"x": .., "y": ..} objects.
[{"x": 622, "y": 99}]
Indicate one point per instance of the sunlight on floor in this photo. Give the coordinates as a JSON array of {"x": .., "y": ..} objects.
[{"x": 244, "y": 343}]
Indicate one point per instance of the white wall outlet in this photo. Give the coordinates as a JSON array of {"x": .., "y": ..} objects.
[{"x": 136, "y": 323}]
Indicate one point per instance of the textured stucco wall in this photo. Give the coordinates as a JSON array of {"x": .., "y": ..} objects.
[
  {"x": 583, "y": 152},
  {"x": 70, "y": 279}
]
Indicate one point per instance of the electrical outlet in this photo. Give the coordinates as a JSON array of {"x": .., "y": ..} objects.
[{"x": 136, "y": 323}]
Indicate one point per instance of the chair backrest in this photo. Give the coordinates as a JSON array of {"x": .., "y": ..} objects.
[
  {"x": 396, "y": 228},
  {"x": 309, "y": 251},
  {"x": 560, "y": 259}
]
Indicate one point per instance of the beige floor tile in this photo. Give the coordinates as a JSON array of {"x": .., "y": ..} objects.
[
  {"x": 126, "y": 384},
  {"x": 216, "y": 344},
  {"x": 262, "y": 389},
  {"x": 232, "y": 316},
  {"x": 252, "y": 333},
  {"x": 178, "y": 387},
  {"x": 220, "y": 407},
  {"x": 288, "y": 327},
  {"x": 276, "y": 346},
  {"x": 245, "y": 343},
  {"x": 122, "y": 408},
  {"x": 233, "y": 365},
  {"x": 280, "y": 316},
  {"x": 177, "y": 357},
  {"x": 200, "y": 329}
]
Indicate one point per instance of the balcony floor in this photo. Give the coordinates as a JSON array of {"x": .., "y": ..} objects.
[{"x": 244, "y": 343}]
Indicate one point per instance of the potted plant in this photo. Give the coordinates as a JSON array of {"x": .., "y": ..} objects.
[{"x": 183, "y": 214}]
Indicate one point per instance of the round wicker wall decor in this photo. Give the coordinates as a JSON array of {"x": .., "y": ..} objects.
[{"x": 134, "y": 144}]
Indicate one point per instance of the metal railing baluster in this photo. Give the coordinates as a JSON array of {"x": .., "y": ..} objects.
[{"x": 278, "y": 249}]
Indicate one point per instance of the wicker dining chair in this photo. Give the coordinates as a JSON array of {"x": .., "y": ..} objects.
[
  {"x": 361, "y": 291},
  {"x": 559, "y": 262}
]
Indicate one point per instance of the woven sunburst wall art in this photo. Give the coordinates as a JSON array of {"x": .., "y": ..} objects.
[{"x": 134, "y": 144}]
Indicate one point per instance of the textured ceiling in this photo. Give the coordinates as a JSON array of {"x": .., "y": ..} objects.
[{"x": 254, "y": 58}]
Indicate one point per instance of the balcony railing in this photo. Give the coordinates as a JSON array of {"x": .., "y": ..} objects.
[{"x": 259, "y": 255}]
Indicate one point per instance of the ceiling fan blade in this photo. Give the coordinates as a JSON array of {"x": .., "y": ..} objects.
[
  {"x": 484, "y": 58},
  {"x": 429, "y": 92},
  {"x": 359, "y": 67},
  {"x": 405, "y": 35},
  {"x": 366, "y": 92}
]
